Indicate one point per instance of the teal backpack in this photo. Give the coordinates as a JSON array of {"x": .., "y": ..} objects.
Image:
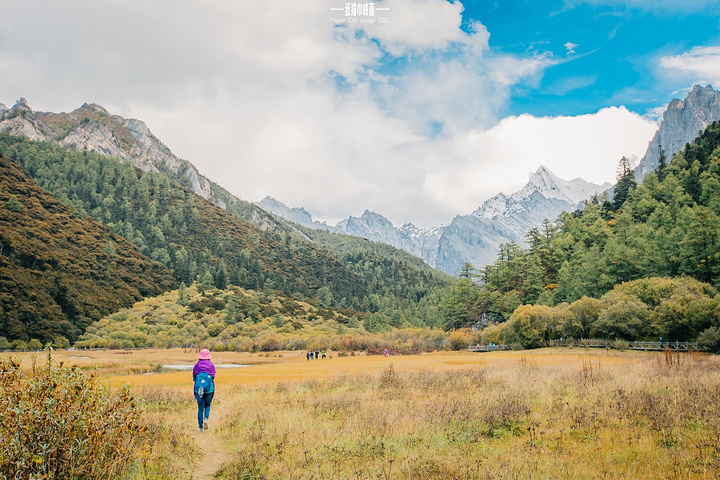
[{"x": 204, "y": 383}]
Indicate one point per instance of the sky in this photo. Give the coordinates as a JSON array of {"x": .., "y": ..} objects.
[{"x": 418, "y": 109}]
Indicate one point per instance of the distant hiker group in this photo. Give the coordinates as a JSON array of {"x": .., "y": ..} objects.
[{"x": 314, "y": 355}]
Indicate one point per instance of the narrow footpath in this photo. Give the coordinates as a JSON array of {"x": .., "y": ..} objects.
[{"x": 214, "y": 451}]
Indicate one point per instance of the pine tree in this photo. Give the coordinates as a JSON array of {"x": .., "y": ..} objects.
[
  {"x": 206, "y": 279},
  {"x": 625, "y": 182},
  {"x": 231, "y": 311},
  {"x": 182, "y": 295},
  {"x": 221, "y": 276},
  {"x": 13, "y": 204},
  {"x": 468, "y": 271},
  {"x": 234, "y": 278},
  {"x": 459, "y": 305},
  {"x": 324, "y": 296},
  {"x": 662, "y": 165}
]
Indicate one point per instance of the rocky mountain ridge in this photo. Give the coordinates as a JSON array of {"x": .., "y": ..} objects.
[
  {"x": 297, "y": 214},
  {"x": 681, "y": 123},
  {"x": 473, "y": 238},
  {"x": 93, "y": 128}
]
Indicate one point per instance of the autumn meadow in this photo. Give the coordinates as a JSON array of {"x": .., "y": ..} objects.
[{"x": 549, "y": 413}]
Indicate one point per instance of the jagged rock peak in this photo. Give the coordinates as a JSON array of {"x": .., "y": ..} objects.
[
  {"x": 22, "y": 104},
  {"x": 681, "y": 123},
  {"x": 94, "y": 107},
  {"x": 544, "y": 183},
  {"x": 297, "y": 214},
  {"x": 276, "y": 206},
  {"x": 410, "y": 230},
  {"x": 543, "y": 179},
  {"x": 369, "y": 220},
  {"x": 271, "y": 201},
  {"x": 374, "y": 215}
]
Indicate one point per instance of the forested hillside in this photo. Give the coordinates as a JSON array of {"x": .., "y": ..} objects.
[
  {"x": 201, "y": 241},
  {"x": 237, "y": 319},
  {"x": 666, "y": 227},
  {"x": 404, "y": 288},
  {"x": 59, "y": 272}
]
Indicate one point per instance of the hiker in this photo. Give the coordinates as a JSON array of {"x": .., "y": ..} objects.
[
  {"x": 385, "y": 352},
  {"x": 317, "y": 355},
  {"x": 204, "y": 380},
  {"x": 323, "y": 354},
  {"x": 307, "y": 355},
  {"x": 312, "y": 355}
]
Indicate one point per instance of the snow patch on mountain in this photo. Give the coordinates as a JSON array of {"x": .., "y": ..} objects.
[{"x": 547, "y": 184}]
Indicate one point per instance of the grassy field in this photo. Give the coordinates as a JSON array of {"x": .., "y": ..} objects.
[{"x": 552, "y": 413}]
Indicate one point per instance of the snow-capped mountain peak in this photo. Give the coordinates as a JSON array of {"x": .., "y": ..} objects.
[{"x": 545, "y": 183}]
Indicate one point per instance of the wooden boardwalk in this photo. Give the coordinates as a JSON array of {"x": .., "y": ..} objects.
[
  {"x": 630, "y": 345},
  {"x": 603, "y": 343},
  {"x": 488, "y": 348}
]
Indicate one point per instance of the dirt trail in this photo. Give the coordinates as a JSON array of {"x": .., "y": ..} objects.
[{"x": 214, "y": 451}]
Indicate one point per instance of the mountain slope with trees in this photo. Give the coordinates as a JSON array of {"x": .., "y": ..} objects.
[
  {"x": 199, "y": 241},
  {"x": 236, "y": 319},
  {"x": 176, "y": 227},
  {"x": 91, "y": 127},
  {"x": 666, "y": 227},
  {"x": 59, "y": 272}
]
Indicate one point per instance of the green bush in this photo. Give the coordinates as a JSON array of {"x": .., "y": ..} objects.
[
  {"x": 58, "y": 422},
  {"x": 529, "y": 326},
  {"x": 710, "y": 339}
]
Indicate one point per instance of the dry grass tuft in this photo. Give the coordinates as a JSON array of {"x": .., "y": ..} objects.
[{"x": 58, "y": 422}]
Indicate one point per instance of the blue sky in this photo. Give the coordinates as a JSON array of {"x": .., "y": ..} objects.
[
  {"x": 615, "y": 58},
  {"x": 420, "y": 118}
]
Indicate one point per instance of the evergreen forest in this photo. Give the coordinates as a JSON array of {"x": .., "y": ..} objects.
[
  {"x": 642, "y": 265},
  {"x": 200, "y": 242}
]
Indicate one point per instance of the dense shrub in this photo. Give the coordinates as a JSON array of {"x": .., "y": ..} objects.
[
  {"x": 624, "y": 319},
  {"x": 58, "y": 422},
  {"x": 676, "y": 309},
  {"x": 710, "y": 339},
  {"x": 529, "y": 326}
]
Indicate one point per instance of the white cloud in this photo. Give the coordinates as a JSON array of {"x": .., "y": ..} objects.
[
  {"x": 570, "y": 47},
  {"x": 269, "y": 98},
  {"x": 655, "y": 114},
  {"x": 587, "y": 146},
  {"x": 701, "y": 63},
  {"x": 419, "y": 25}
]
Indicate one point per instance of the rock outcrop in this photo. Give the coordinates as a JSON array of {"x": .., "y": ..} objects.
[{"x": 681, "y": 123}]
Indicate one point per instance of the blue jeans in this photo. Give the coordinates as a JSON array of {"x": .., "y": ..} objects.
[{"x": 204, "y": 407}]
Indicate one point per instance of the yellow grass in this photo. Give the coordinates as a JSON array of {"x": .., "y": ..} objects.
[{"x": 551, "y": 413}]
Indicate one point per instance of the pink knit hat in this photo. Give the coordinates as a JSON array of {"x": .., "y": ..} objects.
[{"x": 204, "y": 354}]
